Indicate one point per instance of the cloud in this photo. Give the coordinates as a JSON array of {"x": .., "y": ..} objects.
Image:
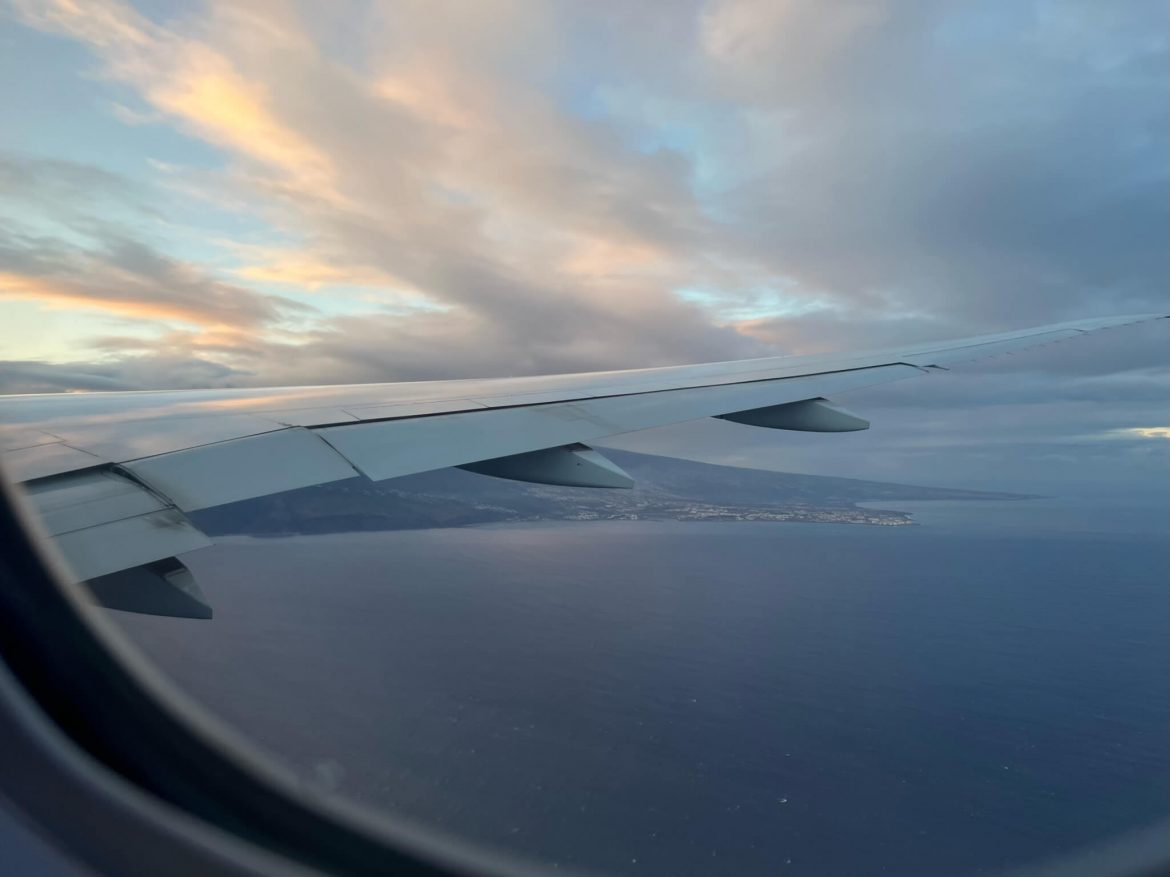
[
  {"x": 157, "y": 372},
  {"x": 931, "y": 187},
  {"x": 538, "y": 225},
  {"x": 444, "y": 160},
  {"x": 764, "y": 38},
  {"x": 50, "y": 184},
  {"x": 1146, "y": 432},
  {"x": 129, "y": 279}
]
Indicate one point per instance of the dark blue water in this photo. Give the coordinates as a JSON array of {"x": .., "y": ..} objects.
[{"x": 694, "y": 698}]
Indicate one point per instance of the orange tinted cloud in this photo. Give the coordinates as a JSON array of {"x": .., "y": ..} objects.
[
  {"x": 190, "y": 80},
  {"x": 206, "y": 91},
  {"x": 303, "y": 269},
  {"x": 604, "y": 257},
  {"x": 58, "y": 293},
  {"x": 427, "y": 95}
]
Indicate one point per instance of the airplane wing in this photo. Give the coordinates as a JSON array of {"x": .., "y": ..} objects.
[{"x": 114, "y": 475}]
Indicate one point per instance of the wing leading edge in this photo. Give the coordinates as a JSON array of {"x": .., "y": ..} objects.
[{"x": 113, "y": 473}]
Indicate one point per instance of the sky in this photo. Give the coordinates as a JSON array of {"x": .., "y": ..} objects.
[{"x": 260, "y": 192}]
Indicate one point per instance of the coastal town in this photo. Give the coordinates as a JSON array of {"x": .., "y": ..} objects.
[{"x": 700, "y": 511}]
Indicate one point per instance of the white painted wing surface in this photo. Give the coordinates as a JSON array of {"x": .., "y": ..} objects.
[{"x": 179, "y": 451}]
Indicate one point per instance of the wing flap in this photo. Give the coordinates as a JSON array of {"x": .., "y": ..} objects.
[
  {"x": 242, "y": 468},
  {"x": 103, "y": 522},
  {"x": 79, "y": 500},
  {"x": 106, "y": 548}
]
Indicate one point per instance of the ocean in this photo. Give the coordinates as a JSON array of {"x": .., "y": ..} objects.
[{"x": 986, "y": 690}]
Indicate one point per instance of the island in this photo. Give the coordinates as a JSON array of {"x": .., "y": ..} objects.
[{"x": 666, "y": 489}]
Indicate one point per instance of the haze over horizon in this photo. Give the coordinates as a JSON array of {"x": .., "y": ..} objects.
[{"x": 260, "y": 193}]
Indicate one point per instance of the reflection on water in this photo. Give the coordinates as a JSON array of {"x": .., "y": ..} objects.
[{"x": 678, "y": 698}]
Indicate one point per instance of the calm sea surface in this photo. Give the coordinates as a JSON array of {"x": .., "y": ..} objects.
[{"x": 985, "y": 690}]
